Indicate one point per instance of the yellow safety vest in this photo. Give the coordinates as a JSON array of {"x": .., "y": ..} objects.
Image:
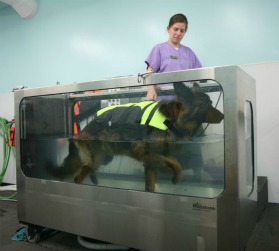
[{"x": 149, "y": 112}]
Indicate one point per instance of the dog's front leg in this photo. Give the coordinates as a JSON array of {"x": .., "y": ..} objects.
[
  {"x": 150, "y": 178},
  {"x": 153, "y": 162},
  {"x": 150, "y": 164}
]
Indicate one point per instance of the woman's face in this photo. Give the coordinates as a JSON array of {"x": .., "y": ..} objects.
[{"x": 176, "y": 32}]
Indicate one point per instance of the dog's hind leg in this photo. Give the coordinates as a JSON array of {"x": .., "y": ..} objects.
[
  {"x": 104, "y": 159},
  {"x": 88, "y": 162},
  {"x": 85, "y": 170}
]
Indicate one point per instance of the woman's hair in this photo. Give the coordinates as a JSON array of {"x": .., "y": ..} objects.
[{"x": 178, "y": 18}]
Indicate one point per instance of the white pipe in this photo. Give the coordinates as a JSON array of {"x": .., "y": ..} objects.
[
  {"x": 25, "y": 8},
  {"x": 100, "y": 246}
]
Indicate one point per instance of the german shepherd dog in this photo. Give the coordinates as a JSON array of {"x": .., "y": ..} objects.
[{"x": 118, "y": 130}]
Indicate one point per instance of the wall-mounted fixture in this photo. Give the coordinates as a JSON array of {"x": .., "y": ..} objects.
[{"x": 25, "y": 8}]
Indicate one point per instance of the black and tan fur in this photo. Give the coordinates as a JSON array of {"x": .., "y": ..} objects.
[{"x": 95, "y": 145}]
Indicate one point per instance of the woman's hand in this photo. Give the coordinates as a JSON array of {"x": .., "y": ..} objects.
[{"x": 151, "y": 93}]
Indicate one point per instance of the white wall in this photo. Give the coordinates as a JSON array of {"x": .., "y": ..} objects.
[
  {"x": 267, "y": 87},
  {"x": 84, "y": 40}
]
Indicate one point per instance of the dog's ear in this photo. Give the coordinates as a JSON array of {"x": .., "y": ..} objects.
[
  {"x": 171, "y": 109},
  {"x": 196, "y": 88},
  {"x": 182, "y": 91}
]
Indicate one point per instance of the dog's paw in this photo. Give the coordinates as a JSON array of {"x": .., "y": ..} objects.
[
  {"x": 94, "y": 179},
  {"x": 78, "y": 179}
]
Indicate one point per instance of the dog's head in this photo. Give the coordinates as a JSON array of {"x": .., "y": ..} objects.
[{"x": 191, "y": 108}]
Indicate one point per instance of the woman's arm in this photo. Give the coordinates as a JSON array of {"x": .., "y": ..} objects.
[{"x": 151, "y": 91}]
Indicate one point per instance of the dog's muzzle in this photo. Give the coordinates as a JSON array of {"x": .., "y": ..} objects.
[{"x": 213, "y": 116}]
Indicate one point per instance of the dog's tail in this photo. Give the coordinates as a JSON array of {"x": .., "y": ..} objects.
[{"x": 69, "y": 167}]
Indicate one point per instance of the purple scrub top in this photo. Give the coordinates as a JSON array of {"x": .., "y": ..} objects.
[{"x": 164, "y": 58}]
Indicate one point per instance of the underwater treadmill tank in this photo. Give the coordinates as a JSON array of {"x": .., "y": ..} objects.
[{"x": 211, "y": 206}]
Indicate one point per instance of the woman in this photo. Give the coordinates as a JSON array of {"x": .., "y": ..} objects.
[{"x": 171, "y": 55}]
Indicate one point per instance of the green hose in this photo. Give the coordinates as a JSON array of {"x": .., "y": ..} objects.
[{"x": 5, "y": 134}]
